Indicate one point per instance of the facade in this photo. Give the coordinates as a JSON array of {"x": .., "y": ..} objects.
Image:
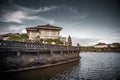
[
  {"x": 44, "y": 32},
  {"x": 101, "y": 45}
]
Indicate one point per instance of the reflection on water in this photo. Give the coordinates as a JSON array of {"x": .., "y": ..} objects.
[
  {"x": 92, "y": 66},
  {"x": 44, "y": 73}
]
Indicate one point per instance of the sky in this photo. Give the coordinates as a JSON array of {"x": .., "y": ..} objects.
[{"x": 86, "y": 21}]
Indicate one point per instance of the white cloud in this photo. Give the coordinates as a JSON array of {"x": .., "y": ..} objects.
[
  {"x": 50, "y": 21},
  {"x": 14, "y": 17},
  {"x": 16, "y": 29},
  {"x": 44, "y": 9},
  {"x": 69, "y": 8},
  {"x": 72, "y": 10},
  {"x": 85, "y": 41},
  {"x": 17, "y": 16},
  {"x": 24, "y": 31},
  {"x": 20, "y": 16},
  {"x": 13, "y": 29},
  {"x": 83, "y": 16},
  {"x": 24, "y": 13}
]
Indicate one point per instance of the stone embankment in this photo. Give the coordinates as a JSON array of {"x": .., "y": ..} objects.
[{"x": 17, "y": 56}]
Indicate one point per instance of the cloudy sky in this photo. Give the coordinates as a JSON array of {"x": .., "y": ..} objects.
[{"x": 86, "y": 21}]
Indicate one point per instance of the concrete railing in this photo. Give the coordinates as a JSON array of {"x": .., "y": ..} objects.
[{"x": 6, "y": 46}]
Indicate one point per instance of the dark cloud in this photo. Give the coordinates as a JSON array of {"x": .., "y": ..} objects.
[{"x": 89, "y": 17}]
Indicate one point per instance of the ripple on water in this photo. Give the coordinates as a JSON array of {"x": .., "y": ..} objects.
[{"x": 91, "y": 66}]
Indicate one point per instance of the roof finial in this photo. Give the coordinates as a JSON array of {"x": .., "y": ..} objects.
[{"x": 48, "y": 24}]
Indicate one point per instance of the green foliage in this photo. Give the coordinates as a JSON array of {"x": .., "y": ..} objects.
[
  {"x": 92, "y": 48},
  {"x": 21, "y": 37},
  {"x": 24, "y": 36},
  {"x": 78, "y": 44},
  {"x": 50, "y": 41},
  {"x": 14, "y": 38},
  {"x": 65, "y": 43},
  {"x": 41, "y": 40},
  {"x": 57, "y": 41}
]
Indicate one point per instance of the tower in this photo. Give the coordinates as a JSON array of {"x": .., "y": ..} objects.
[{"x": 69, "y": 41}]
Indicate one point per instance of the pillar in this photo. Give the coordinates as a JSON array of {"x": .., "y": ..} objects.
[
  {"x": 18, "y": 54},
  {"x": 51, "y": 52},
  {"x": 61, "y": 52}
]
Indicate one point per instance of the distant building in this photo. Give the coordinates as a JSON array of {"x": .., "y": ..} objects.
[
  {"x": 6, "y": 36},
  {"x": 115, "y": 45},
  {"x": 101, "y": 45},
  {"x": 44, "y": 32}
]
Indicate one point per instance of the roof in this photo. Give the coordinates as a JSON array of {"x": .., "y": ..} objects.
[
  {"x": 9, "y": 34},
  {"x": 116, "y": 43},
  {"x": 48, "y": 26},
  {"x": 100, "y": 44},
  {"x": 32, "y": 28}
]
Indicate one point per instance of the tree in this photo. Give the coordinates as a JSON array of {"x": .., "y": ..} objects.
[
  {"x": 21, "y": 37},
  {"x": 78, "y": 44}
]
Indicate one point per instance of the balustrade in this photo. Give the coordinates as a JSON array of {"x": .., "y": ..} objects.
[{"x": 40, "y": 46}]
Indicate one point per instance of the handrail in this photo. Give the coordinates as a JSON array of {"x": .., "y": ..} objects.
[{"x": 35, "y": 45}]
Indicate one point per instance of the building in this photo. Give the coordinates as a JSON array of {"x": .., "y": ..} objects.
[
  {"x": 115, "y": 45},
  {"x": 101, "y": 45},
  {"x": 6, "y": 36},
  {"x": 44, "y": 32}
]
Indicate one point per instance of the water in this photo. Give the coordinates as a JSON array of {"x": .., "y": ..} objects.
[{"x": 91, "y": 66}]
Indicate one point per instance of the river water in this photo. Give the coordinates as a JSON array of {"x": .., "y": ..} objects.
[{"x": 91, "y": 66}]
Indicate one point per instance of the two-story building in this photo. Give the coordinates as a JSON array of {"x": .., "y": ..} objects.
[
  {"x": 44, "y": 32},
  {"x": 48, "y": 33}
]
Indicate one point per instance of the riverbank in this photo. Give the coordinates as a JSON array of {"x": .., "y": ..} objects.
[
  {"x": 92, "y": 49},
  {"x": 118, "y": 51}
]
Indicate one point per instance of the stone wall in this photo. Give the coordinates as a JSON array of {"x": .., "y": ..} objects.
[{"x": 27, "y": 60}]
